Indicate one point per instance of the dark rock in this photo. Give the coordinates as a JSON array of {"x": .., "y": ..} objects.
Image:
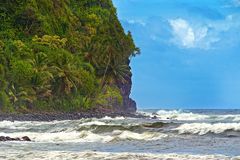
[
  {"x": 97, "y": 113},
  {"x": 8, "y": 138},
  {"x": 17, "y": 139},
  {"x": 3, "y": 139},
  {"x": 26, "y": 138},
  {"x": 154, "y": 117},
  {"x": 129, "y": 105}
]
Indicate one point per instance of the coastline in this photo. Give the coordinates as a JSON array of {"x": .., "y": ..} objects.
[
  {"x": 187, "y": 136},
  {"x": 47, "y": 117}
]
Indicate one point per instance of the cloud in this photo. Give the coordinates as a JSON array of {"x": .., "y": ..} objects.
[
  {"x": 183, "y": 32},
  {"x": 140, "y": 22},
  {"x": 186, "y": 32},
  {"x": 189, "y": 36}
]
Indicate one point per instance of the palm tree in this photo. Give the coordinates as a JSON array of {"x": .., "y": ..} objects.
[
  {"x": 67, "y": 76},
  {"x": 41, "y": 79},
  {"x": 115, "y": 72},
  {"x": 112, "y": 65},
  {"x": 89, "y": 50},
  {"x": 21, "y": 95}
]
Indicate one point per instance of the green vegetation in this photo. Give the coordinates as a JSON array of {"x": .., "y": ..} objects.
[{"x": 61, "y": 55}]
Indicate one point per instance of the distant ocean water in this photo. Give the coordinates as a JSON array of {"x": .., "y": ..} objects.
[{"x": 166, "y": 134}]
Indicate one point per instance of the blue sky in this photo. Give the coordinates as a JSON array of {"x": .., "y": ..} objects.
[{"x": 190, "y": 52}]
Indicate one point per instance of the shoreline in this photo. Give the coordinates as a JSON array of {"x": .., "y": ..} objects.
[{"x": 48, "y": 117}]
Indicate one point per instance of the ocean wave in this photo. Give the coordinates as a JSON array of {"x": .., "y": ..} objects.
[
  {"x": 82, "y": 122},
  {"x": 146, "y": 136},
  {"x": 87, "y": 136},
  {"x": 97, "y": 126},
  {"x": 54, "y": 126},
  {"x": 180, "y": 115},
  {"x": 57, "y": 155},
  {"x": 205, "y": 128},
  {"x": 110, "y": 118}
]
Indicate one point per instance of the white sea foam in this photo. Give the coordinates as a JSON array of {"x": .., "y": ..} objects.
[
  {"x": 110, "y": 118},
  {"x": 55, "y": 126},
  {"x": 7, "y": 124},
  {"x": 147, "y": 136},
  {"x": 26, "y": 124},
  {"x": 57, "y": 155},
  {"x": 87, "y": 136},
  {"x": 180, "y": 115},
  {"x": 83, "y": 136},
  {"x": 116, "y": 134},
  {"x": 97, "y": 123},
  {"x": 204, "y": 128}
]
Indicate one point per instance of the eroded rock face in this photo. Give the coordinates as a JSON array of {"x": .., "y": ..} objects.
[
  {"x": 3, "y": 139},
  {"x": 129, "y": 105}
]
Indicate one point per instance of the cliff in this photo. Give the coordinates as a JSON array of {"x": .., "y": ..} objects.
[{"x": 64, "y": 55}]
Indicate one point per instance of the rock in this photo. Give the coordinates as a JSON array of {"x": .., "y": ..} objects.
[
  {"x": 17, "y": 139},
  {"x": 3, "y": 139},
  {"x": 8, "y": 139},
  {"x": 154, "y": 117},
  {"x": 26, "y": 138},
  {"x": 129, "y": 105}
]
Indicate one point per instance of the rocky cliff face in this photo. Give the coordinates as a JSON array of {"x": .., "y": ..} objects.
[{"x": 129, "y": 105}]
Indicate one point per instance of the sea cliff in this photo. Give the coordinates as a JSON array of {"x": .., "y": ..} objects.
[{"x": 64, "y": 56}]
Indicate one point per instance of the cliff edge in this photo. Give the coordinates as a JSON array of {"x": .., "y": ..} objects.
[{"x": 64, "y": 56}]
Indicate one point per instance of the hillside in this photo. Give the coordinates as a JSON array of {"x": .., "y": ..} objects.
[{"x": 64, "y": 55}]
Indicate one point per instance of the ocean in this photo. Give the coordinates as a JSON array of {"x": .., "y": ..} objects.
[{"x": 164, "y": 135}]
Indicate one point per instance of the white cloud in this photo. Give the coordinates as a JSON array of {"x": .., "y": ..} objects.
[
  {"x": 183, "y": 32},
  {"x": 141, "y": 22},
  {"x": 191, "y": 36}
]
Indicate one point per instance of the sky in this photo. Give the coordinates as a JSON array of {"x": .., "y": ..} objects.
[{"x": 190, "y": 52}]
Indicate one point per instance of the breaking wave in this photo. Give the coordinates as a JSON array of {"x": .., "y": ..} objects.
[
  {"x": 94, "y": 125},
  {"x": 126, "y": 138},
  {"x": 87, "y": 130},
  {"x": 180, "y": 115},
  {"x": 205, "y": 128},
  {"x": 57, "y": 155},
  {"x": 88, "y": 136}
]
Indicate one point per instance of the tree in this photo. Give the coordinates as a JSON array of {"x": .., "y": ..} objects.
[
  {"x": 115, "y": 72},
  {"x": 61, "y": 53},
  {"x": 42, "y": 76},
  {"x": 67, "y": 76}
]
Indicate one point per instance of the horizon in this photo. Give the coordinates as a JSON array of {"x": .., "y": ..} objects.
[
  {"x": 189, "y": 52},
  {"x": 71, "y": 72},
  {"x": 183, "y": 108}
]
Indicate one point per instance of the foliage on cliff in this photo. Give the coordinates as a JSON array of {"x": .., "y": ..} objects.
[{"x": 61, "y": 55}]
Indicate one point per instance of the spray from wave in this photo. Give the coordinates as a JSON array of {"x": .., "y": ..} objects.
[
  {"x": 88, "y": 155},
  {"x": 164, "y": 134},
  {"x": 104, "y": 130},
  {"x": 182, "y": 115},
  {"x": 204, "y": 128}
]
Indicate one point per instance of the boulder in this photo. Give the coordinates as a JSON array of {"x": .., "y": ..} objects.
[
  {"x": 3, "y": 139},
  {"x": 26, "y": 138}
]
